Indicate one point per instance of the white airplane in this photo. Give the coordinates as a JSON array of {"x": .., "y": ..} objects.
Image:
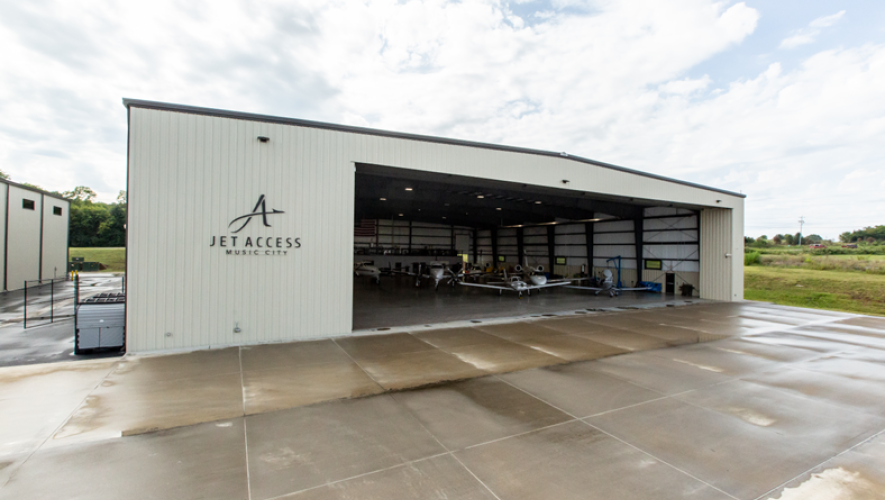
[
  {"x": 515, "y": 284},
  {"x": 537, "y": 276},
  {"x": 367, "y": 269},
  {"x": 608, "y": 285}
]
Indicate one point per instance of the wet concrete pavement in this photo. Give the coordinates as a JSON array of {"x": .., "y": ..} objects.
[
  {"x": 42, "y": 341},
  {"x": 705, "y": 401}
]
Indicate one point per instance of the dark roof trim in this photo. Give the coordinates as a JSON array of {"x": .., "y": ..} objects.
[
  {"x": 35, "y": 190},
  {"x": 138, "y": 103}
]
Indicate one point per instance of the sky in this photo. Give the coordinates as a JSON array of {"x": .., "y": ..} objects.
[{"x": 782, "y": 100}]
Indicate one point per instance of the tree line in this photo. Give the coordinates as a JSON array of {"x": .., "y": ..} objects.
[{"x": 870, "y": 234}]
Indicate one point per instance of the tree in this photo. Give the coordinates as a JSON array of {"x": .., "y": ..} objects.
[
  {"x": 778, "y": 239},
  {"x": 32, "y": 186},
  {"x": 121, "y": 198},
  {"x": 86, "y": 220},
  {"x": 788, "y": 239},
  {"x": 813, "y": 239},
  {"x": 112, "y": 231},
  {"x": 80, "y": 193},
  {"x": 748, "y": 240},
  {"x": 845, "y": 237},
  {"x": 4, "y": 175}
]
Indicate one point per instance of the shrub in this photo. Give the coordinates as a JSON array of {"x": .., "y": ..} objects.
[{"x": 752, "y": 258}]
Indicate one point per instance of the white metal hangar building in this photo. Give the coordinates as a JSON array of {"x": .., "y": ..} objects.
[
  {"x": 243, "y": 228},
  {"x": 35, "y": 235}
]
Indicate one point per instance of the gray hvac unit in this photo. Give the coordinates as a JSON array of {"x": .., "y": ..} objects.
[{"x": 100, "y": 323}]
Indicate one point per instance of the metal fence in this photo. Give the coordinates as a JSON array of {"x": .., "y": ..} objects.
[{"x": 41, "y": 300}]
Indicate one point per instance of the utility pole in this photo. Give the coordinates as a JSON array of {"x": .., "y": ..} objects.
[{"x": 801, "y": 223}]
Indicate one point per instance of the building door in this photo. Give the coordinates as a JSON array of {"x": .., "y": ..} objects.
[{"x": 671, "y": 283}]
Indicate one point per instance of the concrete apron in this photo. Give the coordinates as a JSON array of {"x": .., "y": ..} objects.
[
  {"x": 776, "y": 379},
  {"x": 82, "y": 401}
]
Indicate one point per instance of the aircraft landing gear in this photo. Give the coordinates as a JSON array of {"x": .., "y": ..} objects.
[
  {"x": 500, "y": 292},
  {"x": 611, "y": 294}
]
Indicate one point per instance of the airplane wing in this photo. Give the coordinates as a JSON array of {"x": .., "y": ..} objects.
[
  {"x": 567, "y": 280},
  {"x": 634, "y": 289},
  {"x": 482, "y": 285},
  {"x": 548, "y": 285},
  {"x": 587, "y": 288}
]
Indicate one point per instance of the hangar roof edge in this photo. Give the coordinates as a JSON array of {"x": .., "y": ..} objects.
[
  {"x": 35, "y": 190},
  {"x": 181, "y": 108}
]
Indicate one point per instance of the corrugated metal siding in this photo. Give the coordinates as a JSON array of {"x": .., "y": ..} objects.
[
  {"x": 55, "y": 239},
  {"x": 4, "y": 190},
  {"x": 716, "y": 270},
  {"x": 191, "y": 174},
  {"x": 24, "y": 238}
]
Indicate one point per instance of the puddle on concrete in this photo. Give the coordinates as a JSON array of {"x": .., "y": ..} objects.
[
  {"x": 752, "y": 416},
  {"x": 834, "y": 484}
]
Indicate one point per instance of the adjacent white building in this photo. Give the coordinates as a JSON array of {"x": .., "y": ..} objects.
[
  {"x": 35, "y": 234},
  {"x": 241, "y": 226}
]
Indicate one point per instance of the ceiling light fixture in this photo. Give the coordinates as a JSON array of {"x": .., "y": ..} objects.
[
  {"x": 497, "y": 209},
  {"x": 480, "y": 196},
  {"x": 400, "y": 215},
  {"x": 538, "y": 202},
  {"x": 383, "y": 199},
  {"x": 408, "y": 189}
]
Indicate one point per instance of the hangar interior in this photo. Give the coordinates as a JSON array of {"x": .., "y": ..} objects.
[{"x": 404, "y": 217}]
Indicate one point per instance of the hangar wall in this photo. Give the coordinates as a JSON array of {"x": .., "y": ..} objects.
[
  {"x": 194, "y": 173},
  {"x": 35, "y": 242}
]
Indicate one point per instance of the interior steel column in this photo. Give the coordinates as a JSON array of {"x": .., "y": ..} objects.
[
  {"x": 638, "y": 235},
  {"x": 588, "y": 234},
  {"x": 519, "y": 247},
  {"x": 551, "y": 248},
  {"x": 475, "y": 245},
  {"x": 495, "y": 248}
]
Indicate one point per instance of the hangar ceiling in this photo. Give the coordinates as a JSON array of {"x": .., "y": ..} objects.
[{"x": 386, "y": 192}]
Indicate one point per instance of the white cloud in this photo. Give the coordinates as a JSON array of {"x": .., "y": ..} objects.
[
  {"x": 808, "y": 35},
  {"x": 610, "y": 84},
  {"x": 826, "y": 21}
]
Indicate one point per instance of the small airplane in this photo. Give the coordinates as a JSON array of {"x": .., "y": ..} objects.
[
  {"x": 608, "y": 285},
  {"x": 367, "y": 269},
  {"x": 537, "y": 276},
  {"x": 515, "y": 284}
]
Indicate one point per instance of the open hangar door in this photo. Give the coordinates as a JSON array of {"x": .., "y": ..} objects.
[{"x": 405, "y": 219}]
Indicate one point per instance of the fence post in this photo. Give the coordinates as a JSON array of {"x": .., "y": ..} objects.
[
  {"x": 26, "y": 304},
  {"x": 51, "y": 300}
]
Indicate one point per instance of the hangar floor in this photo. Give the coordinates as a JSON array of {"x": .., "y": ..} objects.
[
  {"x": 786, "y": 404},
  {"x": 397, "y": 302}
]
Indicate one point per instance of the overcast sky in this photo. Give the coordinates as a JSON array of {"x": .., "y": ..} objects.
[{"x": 783, "y": 100}]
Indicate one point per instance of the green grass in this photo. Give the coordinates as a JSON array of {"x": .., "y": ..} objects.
[
  {"x": 848, "y": 291},
  {"x": 114, "y": 257}
]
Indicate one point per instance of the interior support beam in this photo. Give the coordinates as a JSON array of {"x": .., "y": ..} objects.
[
  {"x": 588, "y": 234},
  {"x": 637, "y": 240},
  {"x": 494, "y": 248},
  {"x": 475, "y": 246},
  {"x": 551, "y": 248},
  {"x": 519, "y": 246}
]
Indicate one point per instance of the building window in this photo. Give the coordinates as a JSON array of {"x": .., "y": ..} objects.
[
  {"x": 28, "y": 204},
  {"x": 56, "y": 210}
]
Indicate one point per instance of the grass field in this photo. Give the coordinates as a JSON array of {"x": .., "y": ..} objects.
[
  {"x": 850, "y": 291},
  {"x": 114, "y": 258}
]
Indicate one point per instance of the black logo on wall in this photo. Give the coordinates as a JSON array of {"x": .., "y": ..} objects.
[
  {"x": 263, "y": 213},
  {"x": 256, "y": 245}
]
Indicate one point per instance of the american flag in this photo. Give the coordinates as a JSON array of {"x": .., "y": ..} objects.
[{"x": 365, "y": 229}]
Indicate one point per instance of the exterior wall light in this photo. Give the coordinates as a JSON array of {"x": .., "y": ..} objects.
[{"x": 262, "y": 138}]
